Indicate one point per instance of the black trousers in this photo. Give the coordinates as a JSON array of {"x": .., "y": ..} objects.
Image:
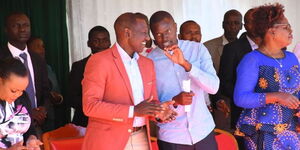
[{"x": 208, "y": 143}]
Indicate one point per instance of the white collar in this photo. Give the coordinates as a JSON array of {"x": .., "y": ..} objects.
[
  {"x": 252, "y": 43},
  {"x": 225, "y": 41},
  {"x": 124, "y": 55},
  {"x": 15, "y": 51}
]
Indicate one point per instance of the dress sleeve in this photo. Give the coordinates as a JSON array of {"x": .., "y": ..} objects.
[{"x": 247, "y": 77}]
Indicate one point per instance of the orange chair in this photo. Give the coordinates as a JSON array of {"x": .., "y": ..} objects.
[
  {"x": 69, "y": 135},
  {"x": 67, "y": 144},
  {"x": 225, "y": 140}
]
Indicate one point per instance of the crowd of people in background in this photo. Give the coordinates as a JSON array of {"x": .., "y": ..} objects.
[{"x": 247, "y": 85}]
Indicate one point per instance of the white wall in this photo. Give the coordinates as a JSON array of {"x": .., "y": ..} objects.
[{"x": 84, "y": 14}]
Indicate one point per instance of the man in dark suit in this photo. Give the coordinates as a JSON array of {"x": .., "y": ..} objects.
[
  {"x": 232, "y": 55},
  {"x": 17, "y": 29},
  {"x": 99, "y": 40}
]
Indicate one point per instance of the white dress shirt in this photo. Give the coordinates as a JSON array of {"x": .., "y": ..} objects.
[
  {"x": 252, "y": 43},
  {"x": 16, "y": 53},
  {"x": 136, "y": 82}
]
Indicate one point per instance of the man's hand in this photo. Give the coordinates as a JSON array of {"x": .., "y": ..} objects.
[
  {"x": 33, "y": 143},
  {"x": 39, "y": 115},
  {"x": 56, "y": 98},
  {"x": 184, "y": 98},
  {"x": 148, "y": 108},
  {"x": 169, "y": 114},
  {"x": 17, "y": 146},
  {"x": 223, "y": 107},
  {"x": 177, "y": 57}
]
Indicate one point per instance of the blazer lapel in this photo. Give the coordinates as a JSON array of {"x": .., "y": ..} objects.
[
  {"x": 119, "y": 63},
  {"x": 220, "y": 46},
  {"x": 144, "y": 73},
  {"x": 4, "y": 53}
]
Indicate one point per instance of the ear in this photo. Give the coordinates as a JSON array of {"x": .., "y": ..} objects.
[
  {"x": 179, "y": 36},
  {"x": 271, "y": 31},
  {"x": 127, "y": 33},
  {"x": 88, "y": 43}
]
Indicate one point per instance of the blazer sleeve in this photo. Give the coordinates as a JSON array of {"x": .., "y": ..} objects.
[
  {"x": 93, "y": 88},
  {"x": 227, "y": 71},
  {"x": 75, "y": 89}
]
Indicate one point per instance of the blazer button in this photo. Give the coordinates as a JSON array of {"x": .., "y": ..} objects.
[
  {"x": 129, "y": 130},
  {"x": 264, "y": 113}
]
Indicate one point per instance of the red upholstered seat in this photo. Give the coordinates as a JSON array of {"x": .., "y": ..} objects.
[
  {"x": 225, "y": 140},
  {"x": 66, "y": 144}
]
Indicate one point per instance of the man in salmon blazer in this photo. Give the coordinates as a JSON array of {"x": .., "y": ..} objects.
[{"x": 119, "y": 91}]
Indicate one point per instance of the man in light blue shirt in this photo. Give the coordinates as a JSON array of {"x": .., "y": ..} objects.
[{"x": 177, "y": 61}]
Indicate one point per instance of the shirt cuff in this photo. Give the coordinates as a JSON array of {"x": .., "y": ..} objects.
[{"x": 131, "y": 111}]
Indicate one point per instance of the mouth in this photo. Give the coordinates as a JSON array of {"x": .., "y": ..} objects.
[
  {"x": 144, "y": 43},
  {"x": 168, "y": 43}
]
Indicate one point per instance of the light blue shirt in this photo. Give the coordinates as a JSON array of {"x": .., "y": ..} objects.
[
  {"x": 136, "y": 82},
  {"x": 189, "y": 127}
]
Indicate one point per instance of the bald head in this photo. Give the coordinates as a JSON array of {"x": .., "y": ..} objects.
[
  {"x": 230, "y": 13},
  {"x": 127, "y": 21}
]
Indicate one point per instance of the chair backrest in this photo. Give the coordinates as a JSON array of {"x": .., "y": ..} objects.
[
  {"x": 66, "y": 144},
  {"x": 66, "y": 132},
  {"x": 225, "y": 140}
]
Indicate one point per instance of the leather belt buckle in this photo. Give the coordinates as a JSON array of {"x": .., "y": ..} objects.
[{"x": 135, "y": 129}]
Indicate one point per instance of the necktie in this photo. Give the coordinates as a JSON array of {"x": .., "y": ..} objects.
[{"x": 29, "y": 89}]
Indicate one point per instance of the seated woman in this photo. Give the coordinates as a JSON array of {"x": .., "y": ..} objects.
[
  {"x": 268, "y": 84},
  {"x": 14, "y": 106}
]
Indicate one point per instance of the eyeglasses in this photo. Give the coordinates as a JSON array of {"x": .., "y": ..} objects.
[{"x": 286, "y": 26}]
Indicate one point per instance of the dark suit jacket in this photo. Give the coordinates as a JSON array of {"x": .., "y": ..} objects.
[
  {"x": 41, "y": 81},
  {"x": 232, "y": 54},
  {"x": 75, "y": 91}
]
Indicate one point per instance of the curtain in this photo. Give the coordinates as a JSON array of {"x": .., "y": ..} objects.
[
  {"x": 83, "y": 15},
  {"x": 48, "y": 21}
]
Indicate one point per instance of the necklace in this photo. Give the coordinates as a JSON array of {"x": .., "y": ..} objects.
[{"x": 280, "y": 64}]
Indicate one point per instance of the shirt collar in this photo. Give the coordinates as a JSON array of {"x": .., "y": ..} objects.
[
  {"x": 15, "y": 51},
  {"x": 252, "y": 43},
  {"x": 124, "y": 55},
  {"x": 225, "y": 41}
]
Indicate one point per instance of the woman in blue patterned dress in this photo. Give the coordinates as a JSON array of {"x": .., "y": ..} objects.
[
  {"x": 14, "y": 117},
  {"x": 268, "y": 84}
]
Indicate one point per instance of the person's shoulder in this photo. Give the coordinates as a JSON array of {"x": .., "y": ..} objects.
[
  {"x": 290, "y": 55},
  {"x": 214, "y": 41}
]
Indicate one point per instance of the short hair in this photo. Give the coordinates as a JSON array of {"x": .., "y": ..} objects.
[
  {"x": 127, "y": 20},
  {"x": 140, "y": 15},
  {"x": 265, "y": 17},
  {"x": 159, "y": 16},
  {"x": 13, "y": 14},
  {"x": 97, "y": 29},
  {"x": 187, "y": 22},
  {"x": 232, "y": 12},
  {"x": 10, "y": 66}
]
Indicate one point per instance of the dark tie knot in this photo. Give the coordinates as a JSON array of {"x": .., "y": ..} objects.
[{"x": 23, "y": 56}]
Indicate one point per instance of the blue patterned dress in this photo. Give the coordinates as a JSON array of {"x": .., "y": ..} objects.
[{"x": 267, "y": 126}]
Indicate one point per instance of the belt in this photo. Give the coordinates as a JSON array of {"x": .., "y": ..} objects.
[{"x": 135, "y": 129}]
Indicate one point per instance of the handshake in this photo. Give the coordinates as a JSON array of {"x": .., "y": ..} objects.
[{"x": 161, "y": 111}]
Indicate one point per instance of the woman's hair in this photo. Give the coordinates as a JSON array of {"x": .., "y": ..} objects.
[
  {"x": 264, "y": 17},
  {"x": 12, "y": 65}
]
